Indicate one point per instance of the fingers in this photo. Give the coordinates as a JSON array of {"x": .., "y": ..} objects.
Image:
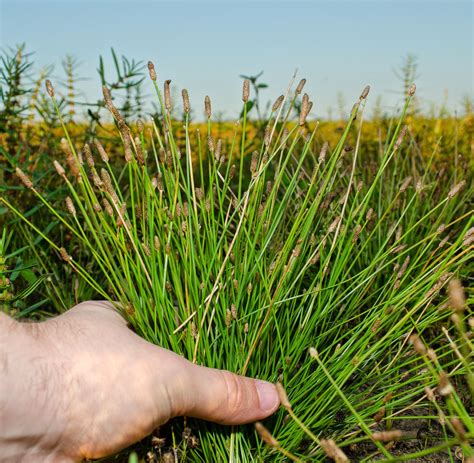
[{"x": 221, "y": 396}]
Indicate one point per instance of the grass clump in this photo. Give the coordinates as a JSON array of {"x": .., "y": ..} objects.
[{"x": 281, "y": 257}]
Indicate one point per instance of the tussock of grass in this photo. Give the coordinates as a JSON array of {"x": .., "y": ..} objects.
[{"x": 307, "y": 264}]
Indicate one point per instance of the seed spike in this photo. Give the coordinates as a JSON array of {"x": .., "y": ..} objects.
[
  {"x": 246, "y": 90},
  {"x": 266, "y": 435},
  {"x": 300, "y": 86},
  {"x": 167, "y": 95},
  {"x": 207, "y": 106},
  {"x": 49, "y": 88},
  {"x": 186, "y": 105},
  {"x": 24, "y": 178},
  {"x": 151, "y": 71},
  {"x": 283, "y": 396}
]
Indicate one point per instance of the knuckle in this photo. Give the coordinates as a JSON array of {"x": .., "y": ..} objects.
[{"x": 234, "y": 393}]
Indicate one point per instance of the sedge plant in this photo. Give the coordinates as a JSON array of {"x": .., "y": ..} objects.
[{"x": 245, "y": 260}]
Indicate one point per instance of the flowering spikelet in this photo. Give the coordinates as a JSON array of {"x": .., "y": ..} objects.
[
  {"x": 265, "y": 434},
  {"x": 418, "y": 345},
  {"x": 72, "y": 162},
  {"x": 199, "y": 193},
  {"x": 246, "y": 90},
  {"x": 64, "y": 255},
  {"x": 210, "y": 143},
  {"x": 334, "y": 224},
  {"x": 151, "y": 70},
  {"x": 110, "y": 105},
  {"x": 127, "y": 140},
  {"x": 88, "y": 155},
  {"x": 400, "y": 138},
  {"x": 322, "y": 153},
  {"x": 228, "y": 318},
  {"x": 283, "y": 396},
  {"x": 278, "y": 102},
  {"x": 107, "y": 181},
  {"x": 254, "y": 163},
  {"x": 405, "y": 184},
  {"x": 456, "y": 189},
  {"x": 439, "y": 284},
  {"x": 167, "y": 92},
  {"x": 456, "y": 295},
  {"x": 412, "y": 90},
  {"x": 139, "y": 151},
  {"x": 331, "y": 449},
  {"x": 96, "y": 179},
  {"x": 267, "y": 136},
  {"x": 443, "y": 241},
  {"x": 218, "y": 150},
  {"x": 70, "y": 206},
  {"x": 445, "y": 387},
  {"x": 300, "y": 86},
  {"x": 207, "y": 106},
  {"x": 379, "y": 415},
  {"x": 401, "y": 272},
  {"x": 304, "y": 109},
  {"x": 370, "y": 215},
  {"x": 108, "y": 208},
  {"x": 24, "y": 178},
  {"x": 102, "y": 153},
  {"x": 233, "y": 311},
  {"x": 49, "y": 88},
  {"x": 386, "y": 436},
  {"x": 59, "y": 168},
  {"x": 468, "y": 238},
  {"x": 140, "y": 126},
  {"x": 97, "y": 207},
  {"x": 365, "y": 92},
  {"x": 186, "y": 105}
]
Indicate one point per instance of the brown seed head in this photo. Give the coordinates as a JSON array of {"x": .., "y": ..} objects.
[
  {"x": 267, "y": 136},
  {"x": 246, "y": 90},
  {"x": 254, "y": 163},
  {"x": 456, "y": 189},
  {"x": 379, "y": 415},
  {"x": 70, "y": 206},
  {"x": 210, "y": 143},
  {"x": 233, "y": 311},
  {"x": 151, "y": 70},
  {"x": 412, "y": 90},
  {"x": 59, "y": 168},
  {"x": 266, "y": 435},
  {"x": 365, "y": 92},
  {"x": 186, "y": 105},
  {"x": 108, "y": 208},
  {"x": 387, "y": 436},
  {"x": 300, "y": 86},
  {"x": 323, "y": 152},
  {"x": 418, "y": 344},
  {"x": 278, "y": 102},
  {"x": 405, "y": 184},
  {"x": 64, "y": 255},
  {"x": 207, "y": 106},
  {"x": 167, "y": 94},
  {"x": 445, "y": 387},
  {"x": 304, "y": 109},
  {"x": 456, "y": 295},
  {"x": 24, "y": 178},
  {"x": 49, "y": 88},
  {"x": 101, "y": 150},
  {"x": 139, "y": 152},
  {"x": 283, "y": 396},
  {"x": 331, "y": 449},
  {"x": 88, "y": 155},
  {"x": 400, "y": 137}
]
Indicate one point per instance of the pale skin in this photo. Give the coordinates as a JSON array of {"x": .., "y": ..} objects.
[{"x": 83, "y": 385}]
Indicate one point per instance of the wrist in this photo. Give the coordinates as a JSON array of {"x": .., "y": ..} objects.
[{"x": 28, "y": 391}]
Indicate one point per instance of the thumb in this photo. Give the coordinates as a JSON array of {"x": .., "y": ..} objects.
[{"x": 221, "y": 396}]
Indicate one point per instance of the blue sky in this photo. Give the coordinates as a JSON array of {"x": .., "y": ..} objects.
[{"x": 204, "y": 46}]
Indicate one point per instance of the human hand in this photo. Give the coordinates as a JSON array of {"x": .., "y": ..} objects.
[{"x": 82, "y": 385}]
